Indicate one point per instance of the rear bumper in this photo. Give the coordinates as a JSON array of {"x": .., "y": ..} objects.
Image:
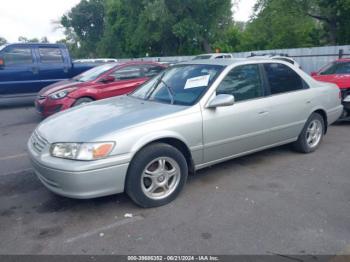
[{"x": 334, "y": 114}]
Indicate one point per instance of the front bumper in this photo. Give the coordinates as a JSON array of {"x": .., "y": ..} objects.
[
  {"x": 45, "y": 106},
  {"x": 78, "y": 179}
]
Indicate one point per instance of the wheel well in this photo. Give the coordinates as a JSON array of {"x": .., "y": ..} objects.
[
  {"x": 85, "y": 97},
  {"x": 324, "y": 116},
  {"x": 181, "y": 146}
]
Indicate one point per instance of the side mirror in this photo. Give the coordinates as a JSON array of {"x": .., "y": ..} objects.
[
  {"x": 313, "y": 73},
  {"x": 108, "y": 79},
  {"x": 221, "y": 100}
]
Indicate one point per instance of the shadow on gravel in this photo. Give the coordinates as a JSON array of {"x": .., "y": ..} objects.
[
  {"x": 6, "y": 103},
  {"x": 57, "y": 204}
]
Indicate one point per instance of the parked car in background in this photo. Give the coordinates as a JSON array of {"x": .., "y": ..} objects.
[
  {"x": 338, "y": 72},
  {"x": 100, "y": 82},
  {"x": 26, "y": 68},
  {"x": 194, "y": 115},
  {"x": 97, "y": 60},
  {"x": 213, "y": 56},
  {"x": 284, "y": 58}
]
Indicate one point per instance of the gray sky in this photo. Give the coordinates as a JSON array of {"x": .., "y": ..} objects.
[{"x": 34, "y": 18}]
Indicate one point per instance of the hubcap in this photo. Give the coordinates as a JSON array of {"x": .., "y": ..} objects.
[
  {"x": 314, "y": 133},
  {"x": 160, "y": 178}
]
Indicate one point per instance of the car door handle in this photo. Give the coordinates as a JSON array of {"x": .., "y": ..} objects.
[
  {"x": 263, "y": 112},
  {"x": 308, "y": 102}
]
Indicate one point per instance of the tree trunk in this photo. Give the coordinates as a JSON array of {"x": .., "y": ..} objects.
[
  {"x": 333, "y": 32},
  {"x": 206, "y": 46}
]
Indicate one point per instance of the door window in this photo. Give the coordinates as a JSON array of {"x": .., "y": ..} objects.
[
  {"x": 243, "y": 82},
  {"x": 283, "y": 79},
  {"x": 127, "y": 73},
  {"x": 18, "y": 56},
  {"x": 50, "y": 55}
]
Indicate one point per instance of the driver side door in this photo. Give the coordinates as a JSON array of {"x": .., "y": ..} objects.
[
  {"x": 243, "y": 127},
  {"x": 127, "y": 79}
]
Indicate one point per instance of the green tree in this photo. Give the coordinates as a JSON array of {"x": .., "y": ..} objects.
[
  {"x": 279, "y": 24},
  {"x": 333, "y": 15},
  {"x": 86, "y": 21}
]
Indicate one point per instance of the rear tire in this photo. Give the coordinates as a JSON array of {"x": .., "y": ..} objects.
[
  {"x": 82, "y": 101},
  {"x": 312, "y": 134},
  {"x": 156, "y": 175}
]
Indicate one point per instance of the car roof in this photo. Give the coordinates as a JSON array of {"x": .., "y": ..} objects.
[{"x": 223, "y": 62}]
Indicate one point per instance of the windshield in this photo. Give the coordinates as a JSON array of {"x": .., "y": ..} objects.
[
  {"x": 336, "y": 68},
  {"x": 202, "y": 57},
  {"x": 94, "y": 73},
  {"x": 179, "y": 85},
  {"x": 2, "y": 47}
]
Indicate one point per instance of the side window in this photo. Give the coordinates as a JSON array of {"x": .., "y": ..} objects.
[
  {"x": 219, "y": 57},
  {"x": 18, "y": 56},
  {"x": 243, "y": 82},
  {"x": 152, "y": 70},
  {"x": 50, "y": 55},
  {"x": 283, "y": 79},
  {"x": 128, "y": 72},
  {"x": 227, "y": 56}
]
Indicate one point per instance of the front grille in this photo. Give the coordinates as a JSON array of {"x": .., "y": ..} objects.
[{"x": 38, "y": 142}]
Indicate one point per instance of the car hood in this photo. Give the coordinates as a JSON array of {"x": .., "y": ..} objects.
[
  {"x": 342, "y": 81},
  {"x": 94, "y": 121},
  {"x": 62, "y": 85}
]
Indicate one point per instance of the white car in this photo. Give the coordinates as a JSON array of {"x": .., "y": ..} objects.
[
  {"x": 277, "y": 57},
  {"x": 213, "y": 56}
]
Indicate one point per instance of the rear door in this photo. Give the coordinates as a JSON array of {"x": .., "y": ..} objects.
[
  {"x": 290, "y": 101},
  {"x": 52, "y": 65},
  {"x": 19, "y": 74}
]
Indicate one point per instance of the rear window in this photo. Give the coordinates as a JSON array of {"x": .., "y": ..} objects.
[
  {"x": 18, "y": 56},
  {"x": 50, "y": 55},
  {"x": 283, "y": 79}
]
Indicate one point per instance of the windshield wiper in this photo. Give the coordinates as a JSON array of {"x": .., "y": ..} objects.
[{"x": 170, "y": 90}]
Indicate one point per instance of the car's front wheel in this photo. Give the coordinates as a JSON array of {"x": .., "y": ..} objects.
[
  {"x": 312, "y": 134},
  {"x": 156, "y": 175}
]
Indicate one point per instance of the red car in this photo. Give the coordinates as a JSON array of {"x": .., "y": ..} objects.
[
  {"x": 97, "y": 83},
  {"x": 337, "y": 72}
]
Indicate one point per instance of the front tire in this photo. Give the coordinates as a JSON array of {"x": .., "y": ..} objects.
[
  {"x": 156, "y": 175},
  {"x": 312, "y": 134}
]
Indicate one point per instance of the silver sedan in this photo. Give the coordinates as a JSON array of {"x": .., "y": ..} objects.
[{"x": 192, "y": 116}]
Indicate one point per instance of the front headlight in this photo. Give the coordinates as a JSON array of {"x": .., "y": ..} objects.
[
  {"x": 82, "y": 151},
  {"x": 62, "y": 93},
  {"x": 347, "y": 99}
]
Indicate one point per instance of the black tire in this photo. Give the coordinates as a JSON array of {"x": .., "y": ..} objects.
[
  {"x": 82, "y": 100},
  {"x": 141, "y": 161},
  {"x": 301, "y": 145}
]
